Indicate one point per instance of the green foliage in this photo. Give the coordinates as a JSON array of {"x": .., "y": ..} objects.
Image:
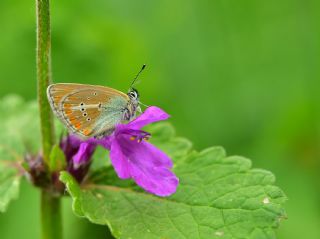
[
  {"x": 242, "y": 74},
  {"x": 217, "y": 196},
  {"x": 19, "y": 132},
  {"x": 9, "y": 183},
  {"x": 19, "y": 127}
]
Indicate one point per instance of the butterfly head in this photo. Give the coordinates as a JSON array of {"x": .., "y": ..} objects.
[
  {"x": 133, "y": 106},
  {"x": 133, "y": 95}
]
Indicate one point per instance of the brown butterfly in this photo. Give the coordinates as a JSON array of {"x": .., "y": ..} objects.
[{"x": 91, "y": 110}]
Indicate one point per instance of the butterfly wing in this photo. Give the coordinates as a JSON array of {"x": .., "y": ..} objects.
[{"x": 87, "y": 110}]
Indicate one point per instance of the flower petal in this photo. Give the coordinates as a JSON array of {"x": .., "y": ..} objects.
[
  {"x": 160, "y": 181},
  {"x": 145, "y": 164},
  {"x": 70, "y": 145},
  {"x": 84, "y": 153},
  {"x": 150, "y": 115},
  {"x": 159, "y": 158},
  {"x": 119, "y": 161}
]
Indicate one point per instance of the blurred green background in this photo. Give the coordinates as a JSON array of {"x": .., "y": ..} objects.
[{"x": 241, "y": 74}]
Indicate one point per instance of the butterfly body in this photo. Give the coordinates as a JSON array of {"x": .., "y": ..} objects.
[{"x": 90, "y": 110}]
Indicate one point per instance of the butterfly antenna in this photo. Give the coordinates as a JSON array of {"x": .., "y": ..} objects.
[
  {"x": 143, "y": 104},
  {"x": 135, "y": 79}
]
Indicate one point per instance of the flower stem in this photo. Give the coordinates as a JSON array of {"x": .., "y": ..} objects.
[
  {"x": 44, "y": 75},
  {"x": 50, "y": 216},
  {"x": 50, "y": 205}
]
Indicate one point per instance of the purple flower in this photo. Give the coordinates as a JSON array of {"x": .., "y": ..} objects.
[
  {"x": 78, "y": 155},
  {"x": 133, "y": 157}
]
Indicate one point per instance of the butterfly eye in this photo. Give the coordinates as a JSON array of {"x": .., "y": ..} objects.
[
  {"x": 95, "y": 93},
  {"x": 82, "y": 109},
  {"x": 132, "y": 94},
  {"x": 81, "y": 103},
  {"x": 88, "y": 119},
  {"x": 85, "y": 114}
]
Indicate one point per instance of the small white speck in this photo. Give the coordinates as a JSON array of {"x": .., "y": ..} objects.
[
  {"x": 266, "y": 200},
  {"x": 148, "y": 230},
  {"x": 219, "y": 233}
]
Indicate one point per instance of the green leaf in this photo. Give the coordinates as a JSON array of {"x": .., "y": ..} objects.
[
  {"x": 19, "y": 132},
  {"x": 9, "y": 183},
  {"x": 57, "y": 159},
  {"x": 218, "y": 197},
  {"x": 19, "y": 127}
]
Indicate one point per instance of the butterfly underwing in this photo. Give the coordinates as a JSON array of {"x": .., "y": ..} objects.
[{"x": 91, "y": 110}]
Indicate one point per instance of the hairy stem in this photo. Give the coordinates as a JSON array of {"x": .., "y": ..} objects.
[
  {"x": 44, "y": 75},
  {"x": 50, "y": 204}
]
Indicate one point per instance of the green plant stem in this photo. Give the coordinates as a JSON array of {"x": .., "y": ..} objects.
[
  {"x": 50, "y": 205},
  {"x": 50, "y": 216},
  {"x": 44, "y": 75}
]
